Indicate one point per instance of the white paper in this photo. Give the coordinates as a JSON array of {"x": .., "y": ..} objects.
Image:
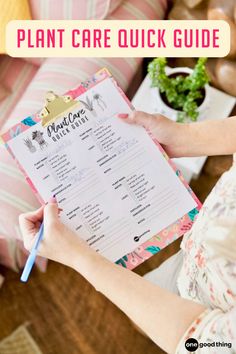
[{"x": 114, "y": 185}]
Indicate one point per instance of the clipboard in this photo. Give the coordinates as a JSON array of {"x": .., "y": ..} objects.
[{"x": 55, "y": 107}]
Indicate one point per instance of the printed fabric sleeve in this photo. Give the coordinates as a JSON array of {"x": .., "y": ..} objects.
[{"x": 215, "y": 332}]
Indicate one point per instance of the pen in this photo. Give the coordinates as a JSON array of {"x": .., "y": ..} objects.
[{"x": 31, "y": 259}]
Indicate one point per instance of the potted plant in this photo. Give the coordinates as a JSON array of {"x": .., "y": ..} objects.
[{"x": 182, "y": 91}]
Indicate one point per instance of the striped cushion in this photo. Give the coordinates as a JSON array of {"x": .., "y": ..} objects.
[
  {"x": 140, "y": 10},
  {"x": 59, "y": 75},
  {"x": 72, "y": 9},
  {"x": 35, "y": 61},
  {"x": 15, "y": 198},
  {"x": 15, "y": 74},
  {"x": 97, "y": 9},
  {"x": 4, "y": 92}
]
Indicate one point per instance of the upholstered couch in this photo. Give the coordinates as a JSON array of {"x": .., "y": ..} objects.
[{"x": 23, "y": 83}]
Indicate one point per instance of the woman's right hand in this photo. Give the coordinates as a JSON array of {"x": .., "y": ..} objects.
[
  {"x": 171, "y": 135},
  {"x": 59, "y": 243}
]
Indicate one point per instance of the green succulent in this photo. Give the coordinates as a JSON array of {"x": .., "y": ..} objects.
[{"x": 182, "y": 92}]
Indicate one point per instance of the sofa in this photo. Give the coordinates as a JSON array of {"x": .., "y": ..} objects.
[{"x": 23, "y": 83}]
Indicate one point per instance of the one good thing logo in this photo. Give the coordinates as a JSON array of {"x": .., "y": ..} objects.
[{"x": 191, "y": 344}]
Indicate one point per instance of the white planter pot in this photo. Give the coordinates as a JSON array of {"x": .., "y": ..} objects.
[{"x": 173, "y": 113}]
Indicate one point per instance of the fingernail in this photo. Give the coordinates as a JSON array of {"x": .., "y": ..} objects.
[
  {"x": 53, "y": 199},
  {"x": 123, "y": 115}
]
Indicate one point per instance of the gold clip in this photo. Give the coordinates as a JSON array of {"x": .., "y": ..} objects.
[{"x": 55, "y": 106}]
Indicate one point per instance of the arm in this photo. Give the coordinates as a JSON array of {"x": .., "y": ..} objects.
[
  {"x": 211, "y": 137},
  {"x": 163, "y": 316}
]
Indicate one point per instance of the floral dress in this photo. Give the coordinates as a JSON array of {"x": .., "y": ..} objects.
[{"x": 208, "y": 274}]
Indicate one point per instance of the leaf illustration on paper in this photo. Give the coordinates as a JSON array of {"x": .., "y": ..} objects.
[
  {"x": 153, "y": 249},
  {"x": 87, "y": 103},
  {"x": 99, "y": 100},
  {"x": 37, "y": 135},
  {"x": 28, "y": 121},
  {"x": 28, "y": 143}
]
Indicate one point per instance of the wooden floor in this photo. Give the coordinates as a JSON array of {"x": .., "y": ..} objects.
[{"x": 67, "y": 316}]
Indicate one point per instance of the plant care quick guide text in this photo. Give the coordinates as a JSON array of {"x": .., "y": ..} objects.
[{"x": 117, "y": 38}]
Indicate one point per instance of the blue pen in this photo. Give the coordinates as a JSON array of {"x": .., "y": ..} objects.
[{"x": 31, "y": 259}]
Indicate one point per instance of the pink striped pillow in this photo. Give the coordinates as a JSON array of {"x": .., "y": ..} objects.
[
  {"x": 72, "y": 10},
  {"x": 15, "y": 75},
  {"x": 15, "y": 197},
  {"x": 140, "y": 10},
  {"x": 4, "y": 92},
  {"x": 97, "y": 9},
  {"x": 35, "y": 61}
]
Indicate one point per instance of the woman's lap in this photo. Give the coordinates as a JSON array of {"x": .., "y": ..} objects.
[{"x": 167, "y": 273}]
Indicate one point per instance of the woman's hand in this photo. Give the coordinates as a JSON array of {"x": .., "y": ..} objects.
[
  {"x": 171, "y": 135},
  {"x": 205, "y": 138},
  {"x": 59, "y": 243}
]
